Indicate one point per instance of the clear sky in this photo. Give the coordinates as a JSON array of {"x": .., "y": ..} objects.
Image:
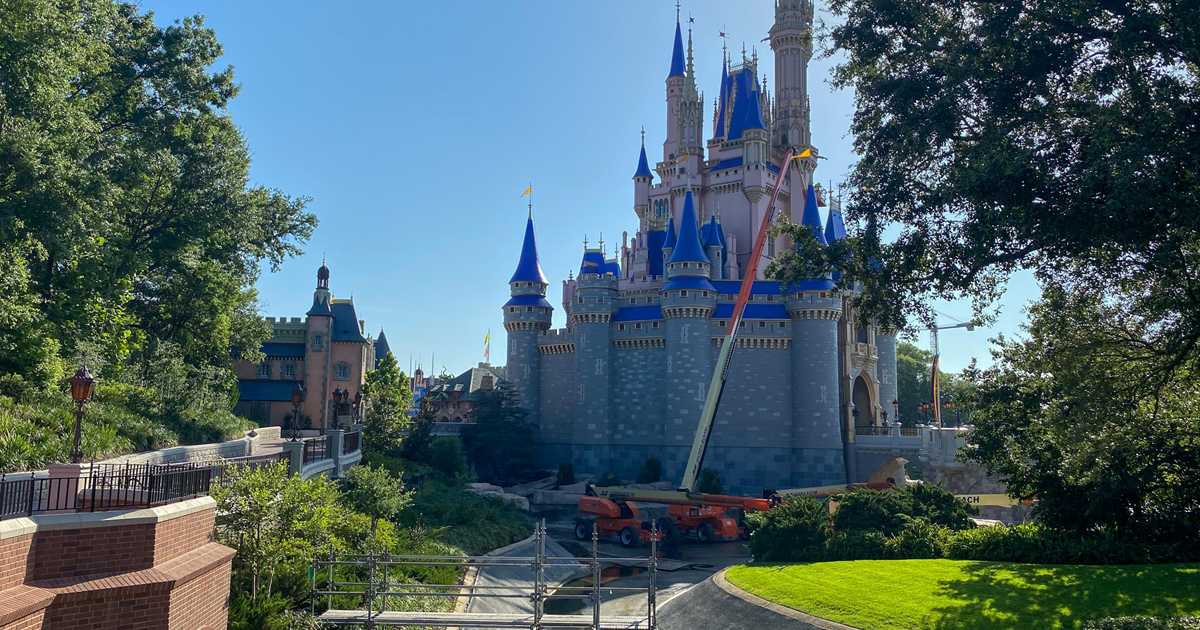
[{"x": 415, "y": 126}]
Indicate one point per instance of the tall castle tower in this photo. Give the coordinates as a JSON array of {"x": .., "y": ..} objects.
[
  {"x": 791, "y": 40},
  {"x": 527, "y": 314}
]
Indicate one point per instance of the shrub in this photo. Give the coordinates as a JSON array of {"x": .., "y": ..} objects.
[
  {"x": 853, "y": 545},
  {"x": 446, "y": 457},
  {"x": 794, "y": 530},
  {"x": 710, "y": 482},
  {"x": 1142, "y": 622},
  {"x": 938, "y": 506},
  {"x": 917, "y": 539},
  {"x": 473, "y": 523},
  {"x": 566, "y": 474},
  {"x": 871, "y": 510},
  {"x": 609, "y": 478},
  {"x": 652, "y": 471}
]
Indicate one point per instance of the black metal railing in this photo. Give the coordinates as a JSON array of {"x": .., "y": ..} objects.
[
  {"x": 351, "y": 442},
  {"x": 885, "y": 431},
  {"x": 104, "y": 487},
  {"x": 317, "y": 449}
]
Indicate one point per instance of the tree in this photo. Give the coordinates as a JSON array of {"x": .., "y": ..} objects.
[
  {"x": 418, "y": 444},
  {"x": 1059, "y": 137},
  {"x": 1065, "y": 417},
  {"x": 913, "y": 369},
  {"x": 124, "y": 192},
  {"x": 376, "y": 493},
  {"x": 271, "y": 518},
  {"x": 389, "y": 401},
  {"x": 499, "y": 442}
]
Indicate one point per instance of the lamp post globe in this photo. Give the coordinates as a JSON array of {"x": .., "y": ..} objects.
[{"x": 82, "y": 386}]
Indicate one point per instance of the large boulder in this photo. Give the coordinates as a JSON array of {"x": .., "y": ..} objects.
[{"x": 554, "y": 497}]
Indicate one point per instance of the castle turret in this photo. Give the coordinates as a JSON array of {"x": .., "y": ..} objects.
[
  {"x": 818, "y": 430},
  {"x": 688, "y": 299},
  {"x": 791, "y": 39},
  {"x": 668, "y": 246},
  {"x": 675, "y": 82},
  {"x": 712, "y": 237},
  {"x": 641, "y": 189},
  {"x": 591, "y": 314},
  {"x": 526, "y": 315},
  {"x": 318, "y": 356}
]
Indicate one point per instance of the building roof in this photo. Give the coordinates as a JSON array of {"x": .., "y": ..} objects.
[
  {"x": 812, "y": 215},
  {"x": 643, "y": 167},
  {"x": 613, "y": 267},
  {"x": 753, "y": 311},
  {"x": 760, "y": 287},
  {"x": 528, "y": 300},
  {"x": 468, "y": 383},
  {"x": 319, "y": 308},
  {"x": 719, "y": 128},
  {"x": 654, "y": 247},
  {"x": 528, "y": 267},
  {"x": 677, "y": 54},
  {"x": 593, "y": 262},
  {"x": 747, "y": 108},
  {"x": 637, "y": 313},
  {"x": 262, "y": 390},
  {"x": 735, "y": 162},
  {"x": 688, "y": 248},
  {"x": 671, "y": 237},
  {"x": 345, "y": 322},
  {"x": 381, "y": 347},
  {"x": 700, "y": 283},
  {"x": 835, "y": 227},
  {"x": 280, "y": 350}
]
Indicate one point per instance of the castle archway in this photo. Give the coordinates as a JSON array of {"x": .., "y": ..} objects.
[{"x": 864, "y": 403}]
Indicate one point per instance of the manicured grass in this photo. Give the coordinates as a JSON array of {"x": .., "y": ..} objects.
[{"x": 944, "y": 594}]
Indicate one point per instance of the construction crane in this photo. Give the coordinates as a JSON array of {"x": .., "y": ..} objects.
[{"x": 935, "y": 391}]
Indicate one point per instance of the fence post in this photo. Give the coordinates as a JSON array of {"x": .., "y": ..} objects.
[
  {"x": 336, "y": 437},
  {"x": 595, "y": 577},
  {"x": 295, "y": 455}
]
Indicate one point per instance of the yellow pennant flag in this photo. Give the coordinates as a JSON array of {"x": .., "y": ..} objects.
[
  {"x": 806, "y": 153},
  {"x": 528, "y": 191},
  {"x": 487, "y": 346}
]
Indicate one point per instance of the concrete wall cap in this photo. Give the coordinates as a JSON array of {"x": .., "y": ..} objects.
[{"x": 14, "y": 527}]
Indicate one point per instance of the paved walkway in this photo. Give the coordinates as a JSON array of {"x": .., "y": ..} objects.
[{"x": 715, "y": 603}]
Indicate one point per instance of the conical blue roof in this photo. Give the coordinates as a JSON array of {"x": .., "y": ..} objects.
[
  {"x": 712, "y": 233},
  {"x": 643, "y": 168},
  {"x": 688, "y": 248},
  {"x": 671, "y": 238},
  {"x": 677, "y": 54},
  {"x": 812, "y": 215},
  {"x": 593, "y": 262},
  {"x": 835, "y": 227},
  {"x": 747, "y": 110},
  {"x": 528, "y": 268},
  {"x": 719, "y": 129}
]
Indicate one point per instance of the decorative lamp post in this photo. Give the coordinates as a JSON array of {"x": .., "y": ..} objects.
[
  {"x": 896, "y": 410},
  {"x": 297, "y": 400},
  {"x": 358, "y": 406},
  {"x": 82, "y": 385}
]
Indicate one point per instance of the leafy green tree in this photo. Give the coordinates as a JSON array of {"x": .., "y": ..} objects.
[
  {"x": 127, "y": 220},
  {"x": 418, "y": 444},
  {"x": 376, "y": 493},
  {"x": 272, "y": 518},
  {"x": 499, "y": 443},
  {"x": 1065, "y": 416},
  {"x": 447, "y": 458},
  {"x": 1056, "y": 137},
  {"x": 389, "y": 400},
  {"x": 913, "y": 369}
]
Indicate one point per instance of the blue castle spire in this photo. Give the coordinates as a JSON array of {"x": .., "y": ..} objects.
[
  {"x": 835, "y": 227},
  {"x": 719, "y": 128},
  {"x": 677, "y": 54},
  {"x": 747, "y": 110},
  {"x": 812, "y": 215},
  {"x": 528, "y": 268},
  {"x": 643, "y": 167},
  {"x": 671, "y": 238},
  {"x": 688, "y": 247}
]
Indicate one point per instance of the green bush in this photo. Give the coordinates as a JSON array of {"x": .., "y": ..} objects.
[
  {"x": 1034, "y": 542},
  {"x": 467, "y": 521},
  {"x": 872, "y": 510},
  {"x": 918, "y": 538},
  {"x": 447, "y": 458},
  {"x": 852, "y": 545},
  {"x": 652, "y": 471},
  {"x": 566, "y": 475},
  {"x": 1142, "y": 622},
  {"x": 794, "y": 530}
]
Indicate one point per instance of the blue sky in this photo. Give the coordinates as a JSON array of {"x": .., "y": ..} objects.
[{"x": 415, "y": 126}]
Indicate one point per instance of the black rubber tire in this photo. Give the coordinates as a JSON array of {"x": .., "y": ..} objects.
[
  {"x": 706, "y": 533},
  {"x": 629, "y": 537},
  {"x": 583, "y": 530}
]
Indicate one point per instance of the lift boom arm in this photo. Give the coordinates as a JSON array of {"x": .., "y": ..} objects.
[{"x": 717, "y": 385}]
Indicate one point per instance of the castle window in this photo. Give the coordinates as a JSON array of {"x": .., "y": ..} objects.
[
  {"x": 621, "y": 327},
  {"x": 656, "y": 324},
  {"x": 528, "y": 309},
  {"x": 264, "y": 370},
  {"x": 637, "y": 326},
  {"x": 781, "y": 324},
  {"x": 341, "y": 371},
  {"x": 683, "y": 293},
  {"x": 289, "y": 370},
  {"x": 762, "y": 324},
  {"x": 318, "y": 343}
]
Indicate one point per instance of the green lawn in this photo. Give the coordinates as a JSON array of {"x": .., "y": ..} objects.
[{"x": 943, "y": 594}]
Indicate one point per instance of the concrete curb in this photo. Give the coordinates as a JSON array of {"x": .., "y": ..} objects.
[{"x": 791, "y": 613}]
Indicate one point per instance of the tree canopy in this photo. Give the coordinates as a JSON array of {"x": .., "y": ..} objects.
[
  {"x": 1057, "y": 136},
  {"x": 126, "y": 211}
]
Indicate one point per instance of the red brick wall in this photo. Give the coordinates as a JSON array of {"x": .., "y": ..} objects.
[
  {"x": 181, "y": 535},
  {"x": 14, "y": 560},
  {"x": 195, "y": 606},
  {"x": 32, "y": 622},
  {"x": 141, "y": 607},
  {"x": 92, "y": 551}
]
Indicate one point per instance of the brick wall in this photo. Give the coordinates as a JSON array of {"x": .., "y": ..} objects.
[{"x": 137, "y": 569}]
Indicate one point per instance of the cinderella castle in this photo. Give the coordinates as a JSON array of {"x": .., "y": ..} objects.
[{"x": 626, "y": 379}]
